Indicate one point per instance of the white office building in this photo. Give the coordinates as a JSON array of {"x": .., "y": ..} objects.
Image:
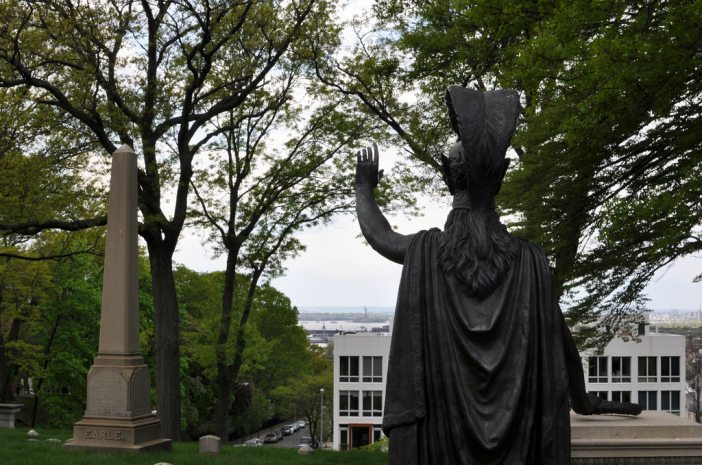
[
  {"x": 650, "y": 372},
  {"x": 360, "y": 374}
]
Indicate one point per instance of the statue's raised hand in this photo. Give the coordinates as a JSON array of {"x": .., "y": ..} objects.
[{"x": 367, "y": 173}]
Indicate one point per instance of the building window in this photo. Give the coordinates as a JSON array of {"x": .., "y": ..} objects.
[
  {"x": 348, "y": 403},
  {"x": 372, "y": 369},
  {"x": 670, "y": 401},
  {"x": 372, "y": 403},
  {"x": 621, "y": 396},
  {"x": 647, "y": 370},
  {"x": 377, "y": 433},
  {"x": 601, "y": 394},
  {"x": 343, "y": 437},
  {"x": 670, "y": 369},
  {"x": 647, "y": 400},
  {"x": 597, "y": 372},
  {"x": 621, "y": 369},
  {"x": 348, "y": 369}
]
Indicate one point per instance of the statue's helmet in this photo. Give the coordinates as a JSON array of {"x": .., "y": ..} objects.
[{"x": 484, "y": 123}]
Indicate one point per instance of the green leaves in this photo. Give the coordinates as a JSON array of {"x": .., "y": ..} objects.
[{"x": 611, "y": 99}]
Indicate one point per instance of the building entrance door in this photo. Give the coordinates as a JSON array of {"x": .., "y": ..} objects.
[{"x": 360, "y": 435}]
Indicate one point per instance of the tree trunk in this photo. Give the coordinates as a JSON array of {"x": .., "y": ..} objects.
[
  {"x": 224, "y": 381},
  {"x": 7, "y": 368},
  {"x": 4, "y": 367},
  {"x": 45, "y": 363},
  {"x": 167, "y": 339},
  {"x": 222, "y": 405}
]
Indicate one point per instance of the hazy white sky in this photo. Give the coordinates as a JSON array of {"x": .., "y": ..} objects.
[{"x": 339, "y": 269}]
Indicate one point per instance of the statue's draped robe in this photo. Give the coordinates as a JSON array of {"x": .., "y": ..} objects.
[{"x": 476, "y": 381}]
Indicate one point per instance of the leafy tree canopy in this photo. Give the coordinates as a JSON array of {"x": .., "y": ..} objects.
[
  {"x": 607, "y": 174},
  {"x": 165, "y": 77}
]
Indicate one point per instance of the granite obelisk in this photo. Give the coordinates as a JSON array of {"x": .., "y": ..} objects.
[{"x": 118, "y": 414}]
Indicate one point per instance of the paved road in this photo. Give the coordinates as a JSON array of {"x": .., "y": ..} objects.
[{"x": 288, "y": 441}]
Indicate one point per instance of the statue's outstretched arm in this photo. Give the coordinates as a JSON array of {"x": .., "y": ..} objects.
[
  {"x": 374, "y": 226},
  {"x": 581, "y": 402}
]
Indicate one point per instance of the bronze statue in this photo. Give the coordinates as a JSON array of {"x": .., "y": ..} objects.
[{"x": 482, "y": 364}]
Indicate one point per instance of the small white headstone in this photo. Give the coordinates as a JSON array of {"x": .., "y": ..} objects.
[
  {"x": 55, "y": 441},
  {"x": 305, "y": 450},
  {"x": 32, "y": 433},
  {"x": 210, "y": 444},
  {"x": 162, "y": 463},
  {"x": 32, "y": 440}
]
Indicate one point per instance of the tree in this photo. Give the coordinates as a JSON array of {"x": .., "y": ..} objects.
[
  {"x": 22, "y": 285},
  {"x": 270, "y": 193},
  {"x": 157, "y": 75},
  {"x": 66, "y": 329},
  {"x": 607, "y": 174},
  {"x": 303, "y": 395},
  {"x": 276, "y": 351},
  {"x": 52, "y": 310},
  {"x": 276, "y": 321}
]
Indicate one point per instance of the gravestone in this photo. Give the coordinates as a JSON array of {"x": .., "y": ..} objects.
[
  {"x": 8, "y": 412},
  {"x": 209, "y": 444},
  {"x": 305, "y": 450},
  {"x": 118, "y": 413}
]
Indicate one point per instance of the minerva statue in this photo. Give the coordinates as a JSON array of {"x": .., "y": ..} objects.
[{"x": 482, "y": 369}]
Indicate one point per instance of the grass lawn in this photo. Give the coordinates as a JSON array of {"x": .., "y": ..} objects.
[{"x": 16, "y": 450}]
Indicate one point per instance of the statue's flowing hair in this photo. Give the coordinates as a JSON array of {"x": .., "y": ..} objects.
[{"x": 477, "y": 249}]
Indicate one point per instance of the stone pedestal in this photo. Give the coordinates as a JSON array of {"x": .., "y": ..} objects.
[
  {"x": 118, "y": 413},
  {"x": 8, "y": 412},
  {"x": 652, "y": 438}
]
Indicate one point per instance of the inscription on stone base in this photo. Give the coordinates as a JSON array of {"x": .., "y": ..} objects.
[{"x": 104, "y": 435}]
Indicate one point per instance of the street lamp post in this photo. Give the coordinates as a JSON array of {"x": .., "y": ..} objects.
[{"x": 321, "y": 416}]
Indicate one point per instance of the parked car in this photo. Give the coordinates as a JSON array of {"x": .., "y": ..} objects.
[
  {"x": 255, "y": 442},
  {"x": 286, "y": 430},
  {"x": 270, "y": 438},
  {"x": 279, "y": 435},
  {"x": 293, "y": 427},
  {"x": 301, "y": 424}
]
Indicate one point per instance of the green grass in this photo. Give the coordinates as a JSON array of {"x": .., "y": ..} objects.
[{"x": 16, "y": 450}]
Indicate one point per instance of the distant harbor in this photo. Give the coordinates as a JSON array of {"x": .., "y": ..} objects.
[
  {"x": 322, "y": 323},
  {"x": 675, "y": 316},
  {"x": 346, "y": 309},
  {"x": 321, "y": 327}
]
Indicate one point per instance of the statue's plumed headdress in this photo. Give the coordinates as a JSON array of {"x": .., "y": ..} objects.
[{"x": 484, "y": 123}]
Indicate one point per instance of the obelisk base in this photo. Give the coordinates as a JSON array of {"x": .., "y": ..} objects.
[
  {"x": 119, "y": 435},
  {"x": 118, "y": 415}
]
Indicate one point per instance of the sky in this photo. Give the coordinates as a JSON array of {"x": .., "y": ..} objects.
[{"x": 340, "y": 269}]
